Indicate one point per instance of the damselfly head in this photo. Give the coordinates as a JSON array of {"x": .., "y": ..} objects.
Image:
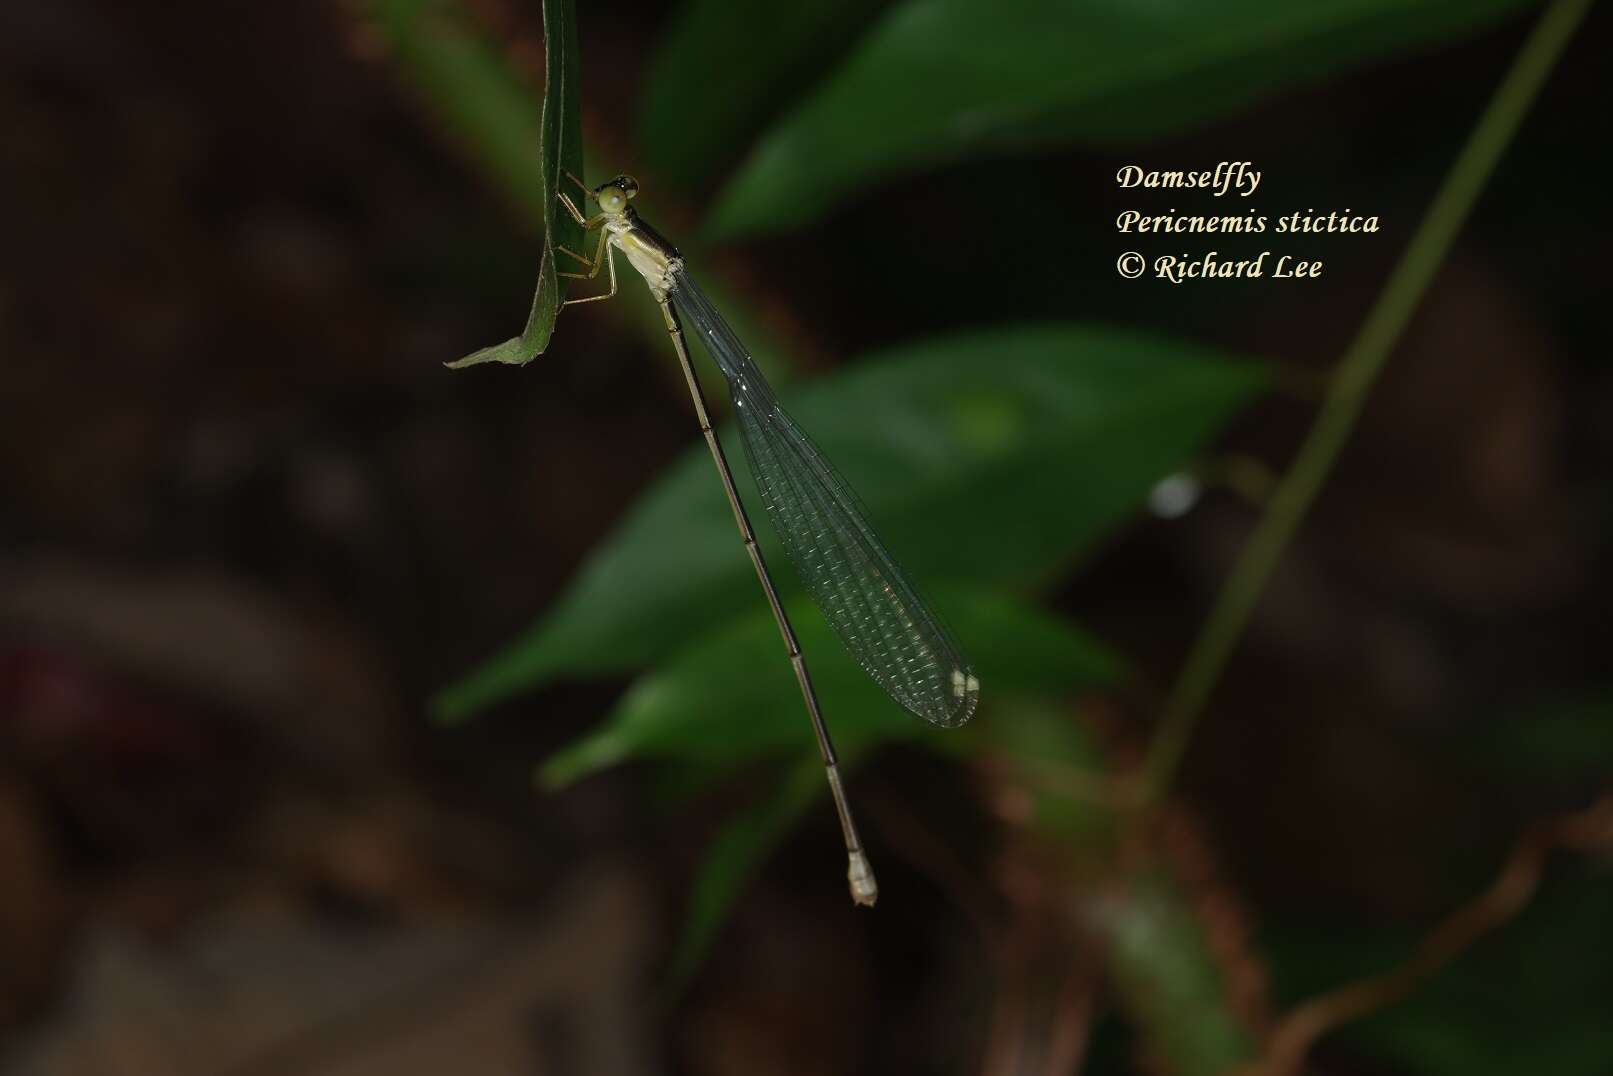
[{"x": 613, "y": 194}]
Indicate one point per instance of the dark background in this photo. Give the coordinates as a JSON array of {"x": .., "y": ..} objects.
[{"x": 249, "y": 524}]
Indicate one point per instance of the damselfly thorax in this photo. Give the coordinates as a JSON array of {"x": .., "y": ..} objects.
[{"x": 646, "y": 250}]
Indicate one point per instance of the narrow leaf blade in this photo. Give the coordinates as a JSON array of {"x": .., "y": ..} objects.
[{"x": 560, "y": 151}]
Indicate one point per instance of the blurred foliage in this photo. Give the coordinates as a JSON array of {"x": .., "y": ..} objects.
[
  {"x": 1047, "y": 750},
  {"x": 723, "y": 69},
  {"x": 1175, "y": 986},
  {"x": 744, "y": 841},
  {"x": 731, "y": 697},
  {"x": 1526, "y": 999},
  {"x": 463, "y": 78},
  {"x": 1061, "y": 429},
  {"x": 940, "y": 80},
  {"x": 1169, "y": 981},
  {"x": 1570, "y": 739},
  {"x": 1169, "y": 978}
]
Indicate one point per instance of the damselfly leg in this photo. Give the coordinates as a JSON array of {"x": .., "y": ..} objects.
[
  {"x": 608, "y": 256},
  {"x": 603, "y": 255},
  {"x": 593, "y": 263}
]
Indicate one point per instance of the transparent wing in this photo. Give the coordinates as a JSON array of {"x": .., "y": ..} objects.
[{"x": 867, "y": 599}]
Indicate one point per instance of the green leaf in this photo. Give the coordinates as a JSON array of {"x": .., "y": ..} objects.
[
  {"x": 732, "y": 697},
  {"x": 943, "y": 80},
  {"x": 734, "y": 857},
  {"x": 718, "y": 76},
  {"x": 1168, "y": 980},
  {"x": 988, "y": 457},
  {"x": 560, "y": 152}
]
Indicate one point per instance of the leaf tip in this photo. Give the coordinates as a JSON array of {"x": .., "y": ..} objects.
[
  {"x": 510, "y": 353},
  {"x": 589, "y": 755},
  {"x": 449, "y": 708}
]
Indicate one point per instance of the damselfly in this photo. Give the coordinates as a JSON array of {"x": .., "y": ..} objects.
[{"x": 872, "y": 607}]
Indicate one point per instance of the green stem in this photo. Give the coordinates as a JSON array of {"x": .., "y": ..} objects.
[{"x": 1356, "y": 372}]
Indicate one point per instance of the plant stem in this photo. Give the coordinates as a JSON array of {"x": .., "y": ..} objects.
[{"x": 1356, "y": 372}]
